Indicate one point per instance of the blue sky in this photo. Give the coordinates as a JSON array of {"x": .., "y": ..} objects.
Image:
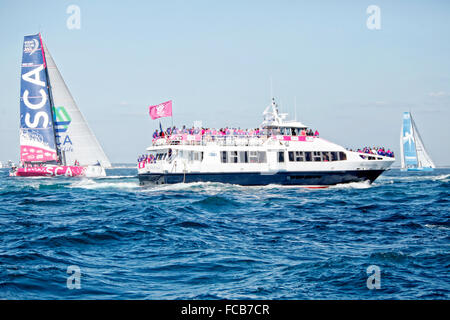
[{"x": 215, "y": 61}]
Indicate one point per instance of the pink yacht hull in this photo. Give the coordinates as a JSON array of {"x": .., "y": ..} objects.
[{"x": 50, "y": 171}]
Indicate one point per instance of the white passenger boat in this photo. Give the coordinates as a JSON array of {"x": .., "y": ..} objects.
[{"x": 279, "y": 152}]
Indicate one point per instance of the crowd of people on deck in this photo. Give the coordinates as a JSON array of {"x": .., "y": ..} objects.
[
  {"x": 228, "y": 132},
  {"x": 24, "y": 164},
  {"x": 381, "y": 151},
  {"x": 149, "y": 158}
]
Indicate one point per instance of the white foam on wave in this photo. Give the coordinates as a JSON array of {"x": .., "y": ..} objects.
[
  {"x": 213, "y": 188},
  {"x": 116, "y": 177},
  {"x": 439, "y": 227},
  {"x": 353, "y": 185},
  {"x": 96, "y": 184},
  {"x": 412, "y": 178},
  {"x": 208, "y": 187},
  {"x": 442, "y": 177}
]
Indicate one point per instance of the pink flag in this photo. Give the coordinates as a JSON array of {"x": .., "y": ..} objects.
[{"x": 161, "y": 110}]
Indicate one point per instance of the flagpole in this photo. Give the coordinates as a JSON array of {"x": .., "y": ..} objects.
[{"x": 171, "y": 117}]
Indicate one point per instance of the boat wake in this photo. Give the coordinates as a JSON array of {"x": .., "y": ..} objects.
[
  {"x": 214, "y": 187},
  {"x": 211, "y": 187},
  {"x": 412, "y": 178},
  {"x": 442, "y": 177},
  {"x": 353, "y": 185},
  {"x": 116, "y": 177},
  {"x": 93, "y": 184},
  {"x": 436, "y": 226}
]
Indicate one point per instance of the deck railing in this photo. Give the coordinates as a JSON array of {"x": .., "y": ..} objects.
[{"x": 224, "y": 140}]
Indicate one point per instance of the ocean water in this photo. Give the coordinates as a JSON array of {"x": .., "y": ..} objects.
[{"x": 218, "y": 241}]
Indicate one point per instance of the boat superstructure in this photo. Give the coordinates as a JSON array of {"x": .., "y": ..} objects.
[
  {"x": 55, "y": 139},
  {"x": 279, "y": 152}
]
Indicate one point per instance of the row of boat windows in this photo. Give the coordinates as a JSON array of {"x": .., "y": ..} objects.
[
  {"x": 192, "y": 155},
  {"x": 300, "y": 156},
  {"x": 293, "y": 156},
  {"x": 189, "y": 155},
  {"x": 261, "y": 156},
  {"x": 243, "y": 156}
]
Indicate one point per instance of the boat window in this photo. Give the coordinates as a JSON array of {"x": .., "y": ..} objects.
[
  {"x": 282, "y": 131},
  {"x": 262, "y": 157},
  {"x": 317, "y": 156},
  {"x": 233, "y": 157},
  {"x": 281, "y": 156},
  {"x": 299, "y": 156},
  {"x": 334, "y": 156},
  {"x": 224, "y": 156},
  {"x": 253, "y": 156},
  {"x": 243, "y": 156},
  {"x": 197, "y": 156},
  {"x": 288, "y": 132},
  {"x": 291, "y": 156},
  {"x": 308, "y": 156},
  {"x": 294, "y": 132},
  {"x": 342, "y": 156}
]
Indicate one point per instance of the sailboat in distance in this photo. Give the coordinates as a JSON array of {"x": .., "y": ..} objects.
[
  {"x": 414, "y": 157},
  {"x": 55, "y": 139}
]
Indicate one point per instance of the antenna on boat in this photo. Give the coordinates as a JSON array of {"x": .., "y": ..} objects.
[
  {"x": 295, "y": 106},
  {"x": 271, "y": 88}
]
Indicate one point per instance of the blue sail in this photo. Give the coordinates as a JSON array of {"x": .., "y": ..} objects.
[
  {"x": 408, "y": 142},
  {"x": 37, "y": 137}
]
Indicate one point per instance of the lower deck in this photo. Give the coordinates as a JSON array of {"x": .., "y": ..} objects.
[{"x": 316, "y": 178}]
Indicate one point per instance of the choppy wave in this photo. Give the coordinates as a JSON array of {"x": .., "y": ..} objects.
[
  {"x": 101, "y": 184},
  {"x": 353, "y": 185},
  {"x": 213, "y": 240},
  {"x": 442, "y": 177}
]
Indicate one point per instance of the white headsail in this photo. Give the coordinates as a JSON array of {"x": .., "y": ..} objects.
[
  {"x": 413, "y": 153},
  {"x": 75, "y": 140},
  {"x": 423, "y": 159}
]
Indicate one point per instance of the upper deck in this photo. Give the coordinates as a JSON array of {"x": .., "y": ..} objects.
[{"x": 225, "y": 140}]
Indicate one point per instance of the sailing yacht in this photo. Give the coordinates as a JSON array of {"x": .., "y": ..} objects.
[
  {"x": 55, "y": 139},
  {"x": 414, "y": 157}
]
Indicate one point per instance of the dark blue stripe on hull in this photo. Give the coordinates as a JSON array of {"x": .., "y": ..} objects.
[{"x": 255, "y": 178}]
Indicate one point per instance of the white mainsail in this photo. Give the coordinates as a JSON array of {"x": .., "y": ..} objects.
[
  {"x": 75, "y": 140},
  {"x": 402, "y": 152},
  {"x": 423, "y": 159}
]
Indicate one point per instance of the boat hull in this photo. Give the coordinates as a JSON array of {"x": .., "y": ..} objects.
[
  {"x": 60, "y": 171},
  {"x": 314, "y": 178}
]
